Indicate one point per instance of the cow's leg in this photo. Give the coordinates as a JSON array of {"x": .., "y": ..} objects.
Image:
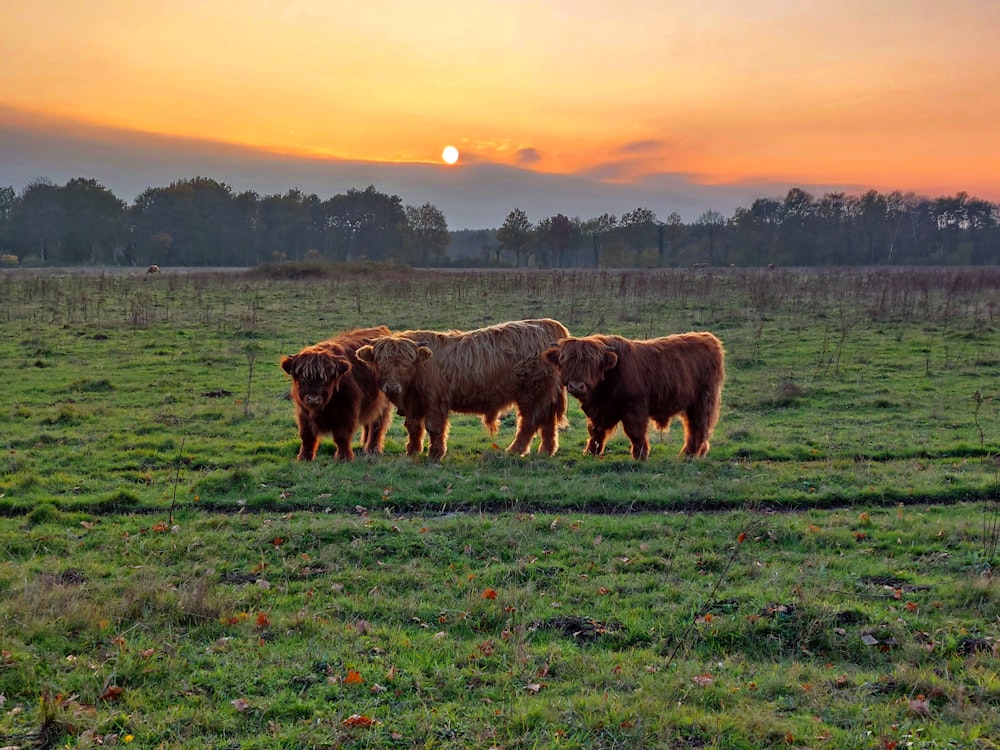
[
  {"x": 437, "y": 429},
  {"x": 695, "y": 434},
  {"x": 342, "y": 437},
  {"x": 598, "y": 437},
  {"x": 373, "y": 434},
  {"x": 636, "y": 428},
  {"x": 550, "y": 438},
  {"x": 415, "y": 431},
  {"x": 526, "y": 429},
  {"x": 550, "y": 425},
  {"x": 491, "y": 421},
  {"x": 310, "y": 442}
]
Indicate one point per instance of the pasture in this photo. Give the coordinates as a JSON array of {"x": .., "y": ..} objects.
[{"x": 172, "y": 577}]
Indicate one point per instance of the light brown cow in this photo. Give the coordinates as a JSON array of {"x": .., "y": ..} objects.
[
  {"x": 428, "y": 374},
  {"x": 335, "y": 394},
  {"x": 153, "y": 269},
  {"x": 621, "y": 380}
]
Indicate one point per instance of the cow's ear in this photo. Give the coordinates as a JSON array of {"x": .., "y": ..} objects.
[
  {"x": 366, "y": 354},
  {"x": 423, "y": 352},
  {"x": 288, "y": 364},
  {"x": 336, "y": 368},
  {"x": 610, "y": 360},
  {"x": 551, "y": 356}
]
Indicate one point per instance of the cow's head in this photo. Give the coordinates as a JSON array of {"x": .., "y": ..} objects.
[
  {"x": 315, "y": 374},
  {"x": 394, "y": 360},
  {"x": 582, "y": 363}
]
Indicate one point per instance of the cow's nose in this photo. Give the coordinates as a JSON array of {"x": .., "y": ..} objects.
[
  {"x": 392, "y": 387},
  {"x": 576, "y": 386},
  {"x": 312, "y": 399}
]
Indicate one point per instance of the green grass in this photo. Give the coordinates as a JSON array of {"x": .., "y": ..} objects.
[
  {"x": 842, "y": 387},
  {"x": 837, "y": 628},
  {"x": 169, "y": 573}
]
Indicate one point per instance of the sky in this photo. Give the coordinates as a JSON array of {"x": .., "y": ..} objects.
[{"x": 578, "y": 107}]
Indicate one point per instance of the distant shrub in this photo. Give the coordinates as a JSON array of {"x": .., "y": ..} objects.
[{"x": 7, "y": 259}]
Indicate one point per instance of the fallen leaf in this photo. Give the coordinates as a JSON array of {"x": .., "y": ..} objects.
[
  {"x": 353, "y": 678},
  {"x": 534, "y": 688},
  {"x": 703, "y": 680},
  {"x": 489, "y": 594},
  {"x": 111, "y": 693},
  {"x": 240, "y": 704},
  {"x": 357, "y": 720}
]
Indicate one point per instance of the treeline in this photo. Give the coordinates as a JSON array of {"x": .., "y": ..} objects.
[{"x": 202, "y": 222}]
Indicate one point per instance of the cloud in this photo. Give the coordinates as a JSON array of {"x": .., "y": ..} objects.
[
  {"x": 642, "y": 147},
  {"x": 472, "y": 196},
  {"x": 526, "y": 156}
]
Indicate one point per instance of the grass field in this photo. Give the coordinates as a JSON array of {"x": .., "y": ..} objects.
[{"x": 171, "y": 577}]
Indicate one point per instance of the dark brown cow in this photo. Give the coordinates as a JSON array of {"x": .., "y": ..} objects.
[
  {"x": 428, "y": 374},
  {"x": 335, "y": 394},
  {"x": 620, "y": 380}
]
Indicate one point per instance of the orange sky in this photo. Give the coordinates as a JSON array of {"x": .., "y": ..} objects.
[{"x": 891, "y": 94}]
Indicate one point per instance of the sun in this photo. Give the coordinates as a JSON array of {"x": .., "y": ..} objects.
[{"x": 450, "y": 154}]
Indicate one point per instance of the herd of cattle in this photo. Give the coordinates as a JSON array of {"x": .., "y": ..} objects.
[{"x": 354, "y": 379}]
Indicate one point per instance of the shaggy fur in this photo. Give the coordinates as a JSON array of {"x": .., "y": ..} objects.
[
  {"x": 335, "y": 395},
  {"x": 620, "y": 380},
  {"x": 428, "y": 374}
]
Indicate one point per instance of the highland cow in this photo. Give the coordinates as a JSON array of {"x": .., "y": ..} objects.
[
  {"x": 334, "y": 394},
  {"x": 428, "y": 374},
  {"x": 620, "y": 380}
]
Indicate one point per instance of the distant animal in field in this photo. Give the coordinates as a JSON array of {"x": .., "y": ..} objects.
[
  {"x": 335, "y": 394},
  {"x": 429, "y": 374},
  {"x": 632, "y": 382},
  {"x": 153, "y": 269}
]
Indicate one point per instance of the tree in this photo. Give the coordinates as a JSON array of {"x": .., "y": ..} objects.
[
  {"x": 671, "y": 235},
  {"x": 36, "y": 222},
  {"x": 365, "y": 224},
  {"x": 93, "y": 222},
  {"x": 561, "y": 232},
  {"x": 197, "y": 214},
  {"x": 797, "y": 233},
  {"x": 289, "y": 225},
  {"x": 639, "y": 228},
  {"x": 427, "y": 235},
  {"x": 711, "y": 224},
  {"x": 598, "y": 232},
  {"x": 515, "y": 234}
]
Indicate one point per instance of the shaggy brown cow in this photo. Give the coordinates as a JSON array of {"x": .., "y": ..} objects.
[
  {"x": 153, "y": 269},
  {"x": 619, "y": 380},
  {"x": 334, "y": 394},
  {"x": 428, "y": 374}
]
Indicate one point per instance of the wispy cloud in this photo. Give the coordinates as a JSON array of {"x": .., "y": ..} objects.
[{"x": 527, "y": 156}]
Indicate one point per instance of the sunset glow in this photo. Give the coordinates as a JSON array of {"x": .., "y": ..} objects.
[{"x": 900, "y": 94}]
